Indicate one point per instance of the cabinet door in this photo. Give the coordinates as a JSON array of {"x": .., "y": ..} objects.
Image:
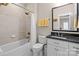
[
  {"x": 56, "y": 51},
  {"x": 62, "y": 51},
  {"x": 73, "y": 49},
  {"x": 51, "y": 50},
  {"x": 72, "y": 53}
]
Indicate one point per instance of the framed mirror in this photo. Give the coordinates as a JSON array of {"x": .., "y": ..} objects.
[{"x": 64, "y": 18}]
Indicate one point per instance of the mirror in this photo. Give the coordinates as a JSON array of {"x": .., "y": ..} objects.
[
  {"x": 65, "y": 17},
  {"x": 64, "y": 22}
]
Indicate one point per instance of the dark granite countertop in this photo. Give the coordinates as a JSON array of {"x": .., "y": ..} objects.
[{"x": 68, "y": 39}]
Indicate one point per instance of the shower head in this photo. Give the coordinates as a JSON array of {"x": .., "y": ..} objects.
[
  {"x": 26, "y": 13},
  {"x": 5, "y": 4}
]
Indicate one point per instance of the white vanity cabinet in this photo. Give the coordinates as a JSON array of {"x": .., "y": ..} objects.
[
  {"x": 73, "y": 49},
  {"x": 51, "y": 50},
  {"x": 57, "y": 47}
]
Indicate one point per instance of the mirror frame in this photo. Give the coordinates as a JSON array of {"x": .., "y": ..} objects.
[{"x": 76, "y": 18}]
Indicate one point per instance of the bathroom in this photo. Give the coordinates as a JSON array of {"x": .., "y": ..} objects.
[
  {"x": 16, "y": 25},
  {"x": 26, "y": 29}
]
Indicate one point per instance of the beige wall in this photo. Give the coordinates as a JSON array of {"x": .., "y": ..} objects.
[
  {"x": 44, "y": 11},
  {"x": 12, "y": 23}
]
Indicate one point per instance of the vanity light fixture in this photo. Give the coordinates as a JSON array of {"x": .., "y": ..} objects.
[{"x": 55, "y": 20}]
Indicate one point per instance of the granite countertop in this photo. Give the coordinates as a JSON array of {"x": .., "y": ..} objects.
[{"x": 69, "y": 39}]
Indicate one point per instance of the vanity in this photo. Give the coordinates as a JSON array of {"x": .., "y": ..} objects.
[
  {"x": 64, "y": 38},
  {"x": 66, "y": 45}
]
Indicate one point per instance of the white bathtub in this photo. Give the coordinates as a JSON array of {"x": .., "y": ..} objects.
[{"x": 18, "y": 48}]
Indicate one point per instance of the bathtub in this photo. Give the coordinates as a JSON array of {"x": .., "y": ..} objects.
[{"x": 18, "y": 48}]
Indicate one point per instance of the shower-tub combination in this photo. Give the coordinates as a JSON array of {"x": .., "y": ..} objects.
[
  {"x": 17, "y": 31},
  {"x": 11, "y": 31}
]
